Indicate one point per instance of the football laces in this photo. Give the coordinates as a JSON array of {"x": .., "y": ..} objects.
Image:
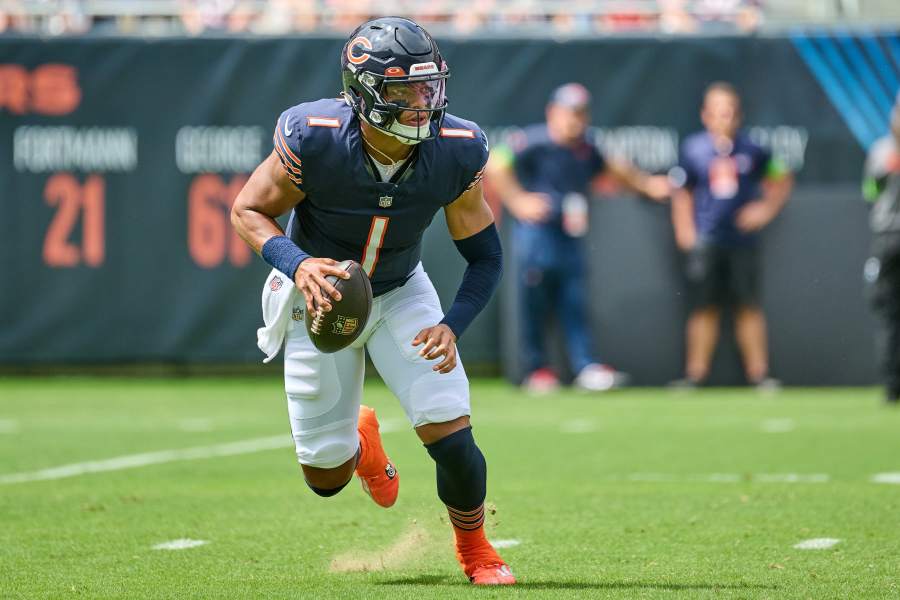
[{"x": 316, "y": 326}]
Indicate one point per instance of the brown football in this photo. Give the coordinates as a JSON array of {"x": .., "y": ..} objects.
[{"x": 335, "y": 330}]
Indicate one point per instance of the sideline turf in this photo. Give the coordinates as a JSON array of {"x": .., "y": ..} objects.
[{"x": 626, "y": 495}]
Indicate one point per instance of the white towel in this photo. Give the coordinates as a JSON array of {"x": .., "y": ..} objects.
[{"x": 278, "y": 297}]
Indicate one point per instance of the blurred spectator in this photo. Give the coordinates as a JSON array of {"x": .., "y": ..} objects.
[
  {"x": 306, "y": 16},
  {"x": 276, "y": 18},
  {"x": 195, "y": 17},
  {"x": 241, "y": 17},
  {"x": 199, "y": 16},
  {"x": 744, "y": 15},
  {"x": 881, "y": 186},
  {"x": 344, "y": 15},
  {"x": 11, "y": 16},
  {"x": 440, "y": 12},
  {"x": 475, "y": 17},
  {"x": 625, "y": 16},
  {"x": 574, "y": 17},
  {"x": 519, "y": 14},
  {"x": 727, "y": 190},
  {"x": 61, "y": 17},
  {"x": 675, "y": 18},
  {"x": 70, "y": 19},
  {"x": 544, "y": 180}
]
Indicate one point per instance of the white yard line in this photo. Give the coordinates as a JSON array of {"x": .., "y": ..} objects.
[
  {"x": 791, "y": 478},
  {"x": 816, "y": 544},
  {"x": 179, "y": 544},
  {"x": 730, "y": 478},
  {"x": 893, "y": 478},
  {"x": 778, "y": 425},
  {"x": 131, "y": 461},
  {"x": 578, "y": 426},
  {"x": 504, "y": 543}
]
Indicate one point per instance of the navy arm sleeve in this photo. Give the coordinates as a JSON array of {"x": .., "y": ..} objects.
[{"x": 484, "y": 254}]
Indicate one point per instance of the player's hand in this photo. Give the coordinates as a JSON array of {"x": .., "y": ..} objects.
[
  {"x": 530, "y": 207},
  {"x": 310, "y": 280},
  {"x": 685, "y": 239},
  {"x": 657, "y": 188},
  {"x": 439, "y": 341},
  {"x": 753, "y": 217}
]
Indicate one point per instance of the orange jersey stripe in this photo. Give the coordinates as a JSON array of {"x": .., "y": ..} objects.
[
  {"x": 478, "y": 177},
  {"x": 387, "y": 221},
  {"x": 287, "y": 164},
  {"x": 287, "y": 148}
]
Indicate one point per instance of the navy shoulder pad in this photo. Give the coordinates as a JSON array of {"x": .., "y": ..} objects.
[
  {"x": 302, "y": 130},
  {"x": 468, "y": 144}
]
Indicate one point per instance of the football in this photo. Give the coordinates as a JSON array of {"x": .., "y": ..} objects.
[{"x": 337, "y": 329}]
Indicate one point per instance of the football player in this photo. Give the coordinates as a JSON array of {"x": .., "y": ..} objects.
[{"x": 363, "y": 175}]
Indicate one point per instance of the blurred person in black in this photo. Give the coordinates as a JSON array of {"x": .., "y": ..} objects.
[
  {"x": 881, "y": 186},
  {"x": 727, "y": 189},
  {"x": 544, "y": 178}
]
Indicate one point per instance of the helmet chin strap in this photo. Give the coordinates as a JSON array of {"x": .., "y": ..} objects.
[
  {"x": 408, "y": 134},
  {"x": 405, "y": 134}
]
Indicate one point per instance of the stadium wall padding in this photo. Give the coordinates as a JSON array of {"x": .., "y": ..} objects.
[{"x": 119, "y": 159}]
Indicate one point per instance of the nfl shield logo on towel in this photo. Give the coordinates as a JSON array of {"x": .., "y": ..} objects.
[{"x": 385, "y": 201}]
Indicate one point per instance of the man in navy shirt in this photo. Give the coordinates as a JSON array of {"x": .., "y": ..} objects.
[
  {"x": 544, "y": 178},
  {"x": 727, "y": 189},
  {"x": 362, "y": 176}
]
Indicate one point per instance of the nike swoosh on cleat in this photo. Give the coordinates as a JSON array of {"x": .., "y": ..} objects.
[{"x": 287, "y": 131}]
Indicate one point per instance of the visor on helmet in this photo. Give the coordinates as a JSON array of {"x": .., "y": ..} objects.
[{"x": 412, "y": 102}]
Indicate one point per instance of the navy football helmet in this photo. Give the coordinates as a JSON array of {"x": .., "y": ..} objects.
[{"x": 394, "y": 78}]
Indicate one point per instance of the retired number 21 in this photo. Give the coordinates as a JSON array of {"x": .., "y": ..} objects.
[{"x": 73, "y": 201}]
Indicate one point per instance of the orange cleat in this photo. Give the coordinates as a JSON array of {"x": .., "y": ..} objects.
[
  {"x": 480, "y": 562},
  {"x": 378, "y": 477},
  {"x": 493, "y": 575}
]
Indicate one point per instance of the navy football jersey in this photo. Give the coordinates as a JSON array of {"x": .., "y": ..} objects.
[
  {"x": 348, "y": 212},
  {"x": 722, "y": 183},
  {"x": 541, "y": 165}
]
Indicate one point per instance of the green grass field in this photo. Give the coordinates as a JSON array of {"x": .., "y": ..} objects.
[{"x": 635, "y": 494}]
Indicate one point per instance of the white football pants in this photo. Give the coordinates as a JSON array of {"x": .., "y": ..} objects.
[{"x": 324, "y": 390}]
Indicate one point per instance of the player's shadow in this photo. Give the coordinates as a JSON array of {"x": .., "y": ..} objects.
[{"x": 430, "y": 580}]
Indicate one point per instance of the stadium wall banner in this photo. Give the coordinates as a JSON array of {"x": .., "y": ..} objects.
[{"x": 120, "y": 159}]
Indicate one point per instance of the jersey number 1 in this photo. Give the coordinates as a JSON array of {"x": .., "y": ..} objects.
[{"x": 373, "y": 245}]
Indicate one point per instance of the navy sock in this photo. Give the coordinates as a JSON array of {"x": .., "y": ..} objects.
[
  {"x": 461, "y": 477},
  {"x": 327, "y": 493}
]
